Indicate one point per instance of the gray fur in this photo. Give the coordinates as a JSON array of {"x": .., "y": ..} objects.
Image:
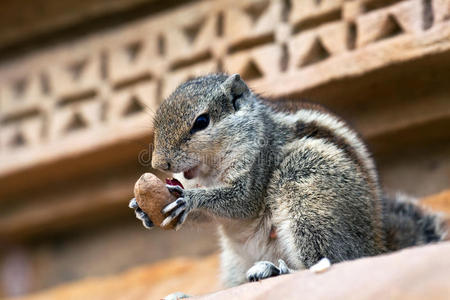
[
  {"x": 305, "y": 175},
  {"x": 407, "y": 224}
]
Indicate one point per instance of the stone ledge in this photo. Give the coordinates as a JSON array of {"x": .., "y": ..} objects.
[
  {"x": 194, "y": 276},
  {"x": 418, "y": 272},
  {"x": 415, "y": 273}
]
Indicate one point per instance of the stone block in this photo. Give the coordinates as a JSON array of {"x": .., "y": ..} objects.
[
  {"x": 255, "y": 64},
  {"x": 402, "y": 18},
  {"x": 315, "y": 46},
  {"x": 75, "y": 118},
  {"x": 351, "y": 10},
  {"x": 190, "y": 36},
  {"x": 75, "y": 74},
  {"x": 18, "y": 135},
  {"x": 133, "y": 58},
  {"x": 441, "y": 10},
  {"x": 246, "y": 20},
  {"x": 303, "y": 10},
  {"x": 24, "y": 90},
  {"x": 134, "y": 103}
]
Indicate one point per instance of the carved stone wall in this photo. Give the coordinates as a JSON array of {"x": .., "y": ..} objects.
[
  {"x": 75, "y": 114},
  {"x": 102, "y": 87}
]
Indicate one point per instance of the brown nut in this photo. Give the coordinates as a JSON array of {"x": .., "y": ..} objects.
[{"x": 152, "y": 195}]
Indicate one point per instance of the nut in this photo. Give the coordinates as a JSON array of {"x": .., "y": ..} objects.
[{"x": 152, "y": 196}]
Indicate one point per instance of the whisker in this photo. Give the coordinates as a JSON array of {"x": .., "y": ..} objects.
[{"x": 148, "y": 108}]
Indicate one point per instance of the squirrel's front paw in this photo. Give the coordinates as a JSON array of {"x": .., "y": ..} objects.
[
  {"x": 180, "y": 208},
  {"x": 266, "y": 269},
  {"x": 140, "y": 214}
]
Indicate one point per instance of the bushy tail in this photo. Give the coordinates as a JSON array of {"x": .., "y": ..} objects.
[{"x": 407, "y": 224}]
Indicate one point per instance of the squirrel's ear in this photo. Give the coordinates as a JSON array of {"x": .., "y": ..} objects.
[{"x": 234, "y": 88}]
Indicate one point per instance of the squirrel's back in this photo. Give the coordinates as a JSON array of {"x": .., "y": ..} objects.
[{"x": 404, "y": 221}]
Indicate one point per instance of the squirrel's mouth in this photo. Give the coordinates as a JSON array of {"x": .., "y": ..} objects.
[{"x": 191, "y": 173}]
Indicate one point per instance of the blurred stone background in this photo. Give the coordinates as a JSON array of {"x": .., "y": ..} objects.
[{"x": 80, "y": 81}]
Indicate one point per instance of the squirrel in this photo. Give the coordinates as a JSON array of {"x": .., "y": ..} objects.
[{"x": 286, "y": 188}]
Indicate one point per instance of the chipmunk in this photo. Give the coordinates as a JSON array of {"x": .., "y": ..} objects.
[{"x": 285, "y": 188}]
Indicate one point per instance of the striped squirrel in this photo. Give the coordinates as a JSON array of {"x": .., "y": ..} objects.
[{"x": 285, "y": 188}]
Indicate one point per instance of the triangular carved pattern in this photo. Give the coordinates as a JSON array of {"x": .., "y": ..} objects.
[
  {"x": 76, "y": 69},
  {"x": 19, "y": 87},
  {"x": 18, "y": 140},
  {"x": 391, "y": 28},
  {"x": 191, "y": 32},
  {"x": 133, "y": 50},
  {"x": 75, "y": 123},
  {"x": 256, "y": 10},
  {"x": 133, "y": 106},
  {"x": 317, "y": 52},
  {"x": 251, "y": 71}
]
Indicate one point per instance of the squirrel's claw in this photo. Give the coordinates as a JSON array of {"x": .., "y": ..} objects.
[
  {"x": 176, "y": 190},
  {"x": 181, "y": 220},
  {"x": 148, "y": 223},
  {"x": 140, "y": 214},
  {"x": 283, "y": 267},
  {"x": 169, "y": 207},
  {"x": 133, "y": 204},
  {"x": 177, "y": 209}
]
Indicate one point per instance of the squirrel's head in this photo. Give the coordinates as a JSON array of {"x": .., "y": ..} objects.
[{"x": 191, "y": 125}]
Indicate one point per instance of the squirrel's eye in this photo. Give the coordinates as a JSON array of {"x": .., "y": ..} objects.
[{"x": 200, "y": 123}]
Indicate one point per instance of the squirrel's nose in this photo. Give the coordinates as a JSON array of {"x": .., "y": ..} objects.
[{"x": 160, "y": 164}]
